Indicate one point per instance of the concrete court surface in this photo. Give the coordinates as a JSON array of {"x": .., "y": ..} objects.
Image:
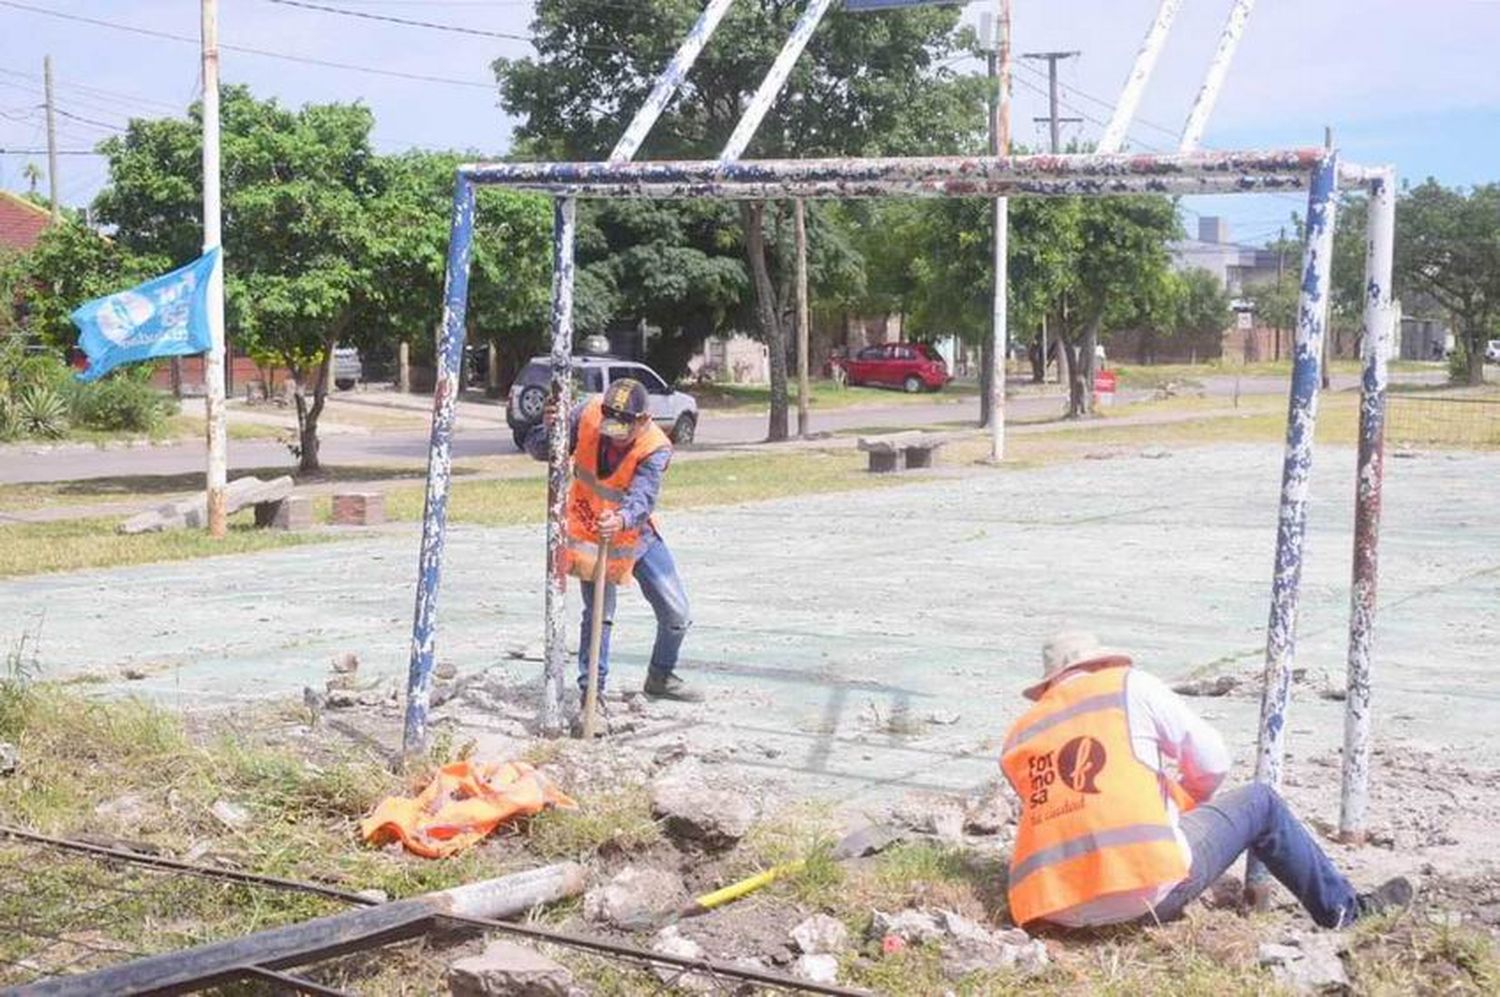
[{"x": 820, "y": 618}]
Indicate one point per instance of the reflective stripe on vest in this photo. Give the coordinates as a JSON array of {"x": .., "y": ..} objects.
[
  {"x": 1094, "y": 817},
  {"x": 586, "y": 476},
  {"x": 1133, "y": 835}
]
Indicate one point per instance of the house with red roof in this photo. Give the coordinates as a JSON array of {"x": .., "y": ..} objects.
[{"x": 21, "y": 222}]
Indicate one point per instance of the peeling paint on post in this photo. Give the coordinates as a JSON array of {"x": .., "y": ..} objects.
[
  {"x": 670, "y": 79},
  {"x": 1378, "y": 332},
  {"x": 1302, "y": 417},
  {"x": 770, "y": 87},
  {"x": 558, "y": 460},
  {"x": 439, "y": 468},
  {"x": 1140, "y": 75},
  {"x": 1213, "y": 81}
]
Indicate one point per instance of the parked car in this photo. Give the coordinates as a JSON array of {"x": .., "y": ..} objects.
[
  {"x": 348, "y": 369},
  {"x": 911, "y": 366},
  {"x": 674, "y": 411},
  {"x": 1492, "y": 351}
]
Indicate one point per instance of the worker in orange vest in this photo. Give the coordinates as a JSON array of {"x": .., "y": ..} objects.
[
  {"x": 1108, "y": 835},
  {"x": 619, "y": 459}
]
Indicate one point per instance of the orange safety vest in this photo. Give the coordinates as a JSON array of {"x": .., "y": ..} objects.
[
  {"x": 592, "y": 494},
  {"x": 1094, "y": 818}
]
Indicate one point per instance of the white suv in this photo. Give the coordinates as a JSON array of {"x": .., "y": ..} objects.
[
  {"x": 674, "y": 411},
  {"x": 1492, "y": 351}
]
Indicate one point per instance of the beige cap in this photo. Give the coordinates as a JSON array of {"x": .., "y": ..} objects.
[{"x": 1072, "y": 650}]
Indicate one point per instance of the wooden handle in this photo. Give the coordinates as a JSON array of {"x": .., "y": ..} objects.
[{"x": 596, "y": 632}]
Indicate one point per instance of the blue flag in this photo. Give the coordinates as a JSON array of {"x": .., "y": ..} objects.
[{"x": 165, "y": 317}]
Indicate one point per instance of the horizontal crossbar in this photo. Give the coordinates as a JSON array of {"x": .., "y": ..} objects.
[{"x": 951, "y": 176}]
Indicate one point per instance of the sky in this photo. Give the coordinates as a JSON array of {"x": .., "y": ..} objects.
[{"x": 1407, "y": 82}]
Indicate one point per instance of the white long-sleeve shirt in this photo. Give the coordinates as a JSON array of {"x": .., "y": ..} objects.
[{"x": 1163, "y": 729}]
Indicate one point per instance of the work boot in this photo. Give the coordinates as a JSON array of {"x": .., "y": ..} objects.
[
  {"x": 603, "y": 724},
  {"x": 669, "y": 686},
  {"x": 1393, "y": 894}
]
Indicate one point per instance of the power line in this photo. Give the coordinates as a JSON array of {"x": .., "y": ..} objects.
[
  {"x": 89, "y": 121},
  {"x": 150, "y": 33},
  {"x": 409, "y": 22},
  {"x": 42, "y": 152}
]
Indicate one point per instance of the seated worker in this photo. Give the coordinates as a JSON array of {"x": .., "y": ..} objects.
[
  {"x": 619, "y": 459},
  {"x": 1107, "y": 836}
]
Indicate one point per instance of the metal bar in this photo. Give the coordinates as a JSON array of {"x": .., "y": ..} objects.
[
  {"x": 770, "y": 87},
  {"x": 449, "y": 363},
  {"x": 1000, "y": 241},
  {"x": 637, "y": 954},
  {"x": 161, "y": 862},
  {"x": 803, "y": 388},
  {"x": 1213, "y": 82},
  {"x": 1301, "y": 424},
  {"x": 564, "y": 226},
  {"x": 292, "y": 983},
  {"x": 843, "y": 189},
  {"x": 1140, "y": 75},
  {"x": 928, "y": 168},
  {"x": 1378, "y": 334},
  {"x": 216, "y": 963},
  {"x": 670, "y": 79}
]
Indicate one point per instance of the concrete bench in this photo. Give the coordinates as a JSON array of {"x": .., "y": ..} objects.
[
  {"x": 266, "y": 496},
  {"x": 894, "y": 452}
]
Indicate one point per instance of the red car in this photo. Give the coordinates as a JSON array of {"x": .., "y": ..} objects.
[{"x": 912, "y": 366}]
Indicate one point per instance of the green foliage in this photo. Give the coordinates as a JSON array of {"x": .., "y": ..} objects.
[
  {"x": 1448, "y": 249},
  {"x": 124, "y": 401},
  {"x": 43, "y": 411}
]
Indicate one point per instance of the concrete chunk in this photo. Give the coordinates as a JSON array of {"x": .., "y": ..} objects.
[{"x": 506, "y": 969}]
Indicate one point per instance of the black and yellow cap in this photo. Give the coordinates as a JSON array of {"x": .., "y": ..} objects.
[{"x": 625, "y": 401}]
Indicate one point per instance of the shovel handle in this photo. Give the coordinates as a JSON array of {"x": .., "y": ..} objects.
[{"x": 596, "y": 632}]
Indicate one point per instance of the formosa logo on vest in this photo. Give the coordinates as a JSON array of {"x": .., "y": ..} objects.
[{"x": 1076, "y": 765}]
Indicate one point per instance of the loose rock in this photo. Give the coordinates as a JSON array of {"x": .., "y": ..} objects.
[
  {"x": 669, "y": 942},
  {"x": 506, "y": 969},
  {"x": 445, "y": 670},
  {"x": 817, "y": 968},
  {"x": 821, "y": 935},
  {"x": 1308, "y": 965},
  {"x": 231, "y": 815},
  {"x": 346, "y": 663},
  {"x": 1219, "y": 685},
  {"x": 691, "y": 808},
  {"x": 10, "y": 758},
  {"x": 635, "y": 896},
  {"x": 132, "y": 674},
  {"x": 988, "y": 813}
]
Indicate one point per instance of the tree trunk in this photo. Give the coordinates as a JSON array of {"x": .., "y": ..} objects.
[
  {"x": 753, "y": 216},
  {"x": 1474, "y": 346},
  {"x": 1080, "y": 358},
  {"x": 308, "y": 415},
  {"x": 1038, "y": 361}
]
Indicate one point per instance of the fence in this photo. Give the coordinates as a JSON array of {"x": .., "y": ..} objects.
[{"x": 1443, "y": 420}]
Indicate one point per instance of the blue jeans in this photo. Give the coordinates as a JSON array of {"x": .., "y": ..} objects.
[
  {"x": 1254, "y": 818},
  {"x": 656, "y": 573}
]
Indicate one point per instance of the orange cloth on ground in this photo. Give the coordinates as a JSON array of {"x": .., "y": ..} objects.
[{"x": 462, "y": 804}]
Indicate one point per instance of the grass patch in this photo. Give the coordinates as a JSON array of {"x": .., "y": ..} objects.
[
  {"x": 804, "y": 834},
  {"x": 613, "y": 822},
  {"x": 40, "y": 548},
  {"x": 1401, "y": 955}
]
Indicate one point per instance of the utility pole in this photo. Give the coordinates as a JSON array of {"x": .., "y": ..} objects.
[
  {"x": 51, "y": 142},
  {"x": 992, "y": 374},
  {"x": 1054, "y": 122},
  {"x": 802, "y": 319},
  {"x": 213, "y": 366},
  {"x": 1280, "y": 270},
  {"x": 1326, "y": 374}
]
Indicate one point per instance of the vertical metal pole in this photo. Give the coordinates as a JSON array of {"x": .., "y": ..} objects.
[
  {"x": 1378, "y": 326},
  {"x": 449, "y": 362},
  {"x": 776, "y": 77},
  {"x": 1301, "y": 425},
  {"x": 555, "y": 664},
  {"x": 999, "y": 333},
  {"x": 213, "y": 366},
  {"x": 802, "y": 320},
  {"x": 52, "y": 179},
  {"x": 1213, "y": 82},
  {"x": 558, "y": 460},
  {"x": 1140, "y": 75}
]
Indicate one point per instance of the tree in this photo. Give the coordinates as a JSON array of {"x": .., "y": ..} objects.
[
  {"x": 867, "y": 85},
  {"x": 1200, "y": 311},
  {"x": 71, "y": 264},
  {"x": 32, "y": 173},
  {"x": 1448, "y": 247}
]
